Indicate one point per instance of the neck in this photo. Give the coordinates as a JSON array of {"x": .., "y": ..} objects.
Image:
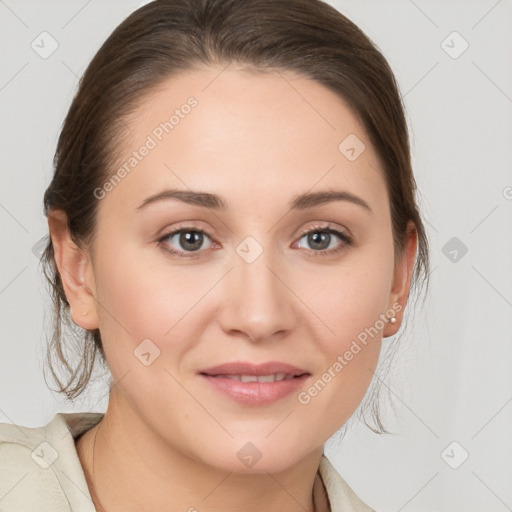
[{"x": 129, "y": 467}]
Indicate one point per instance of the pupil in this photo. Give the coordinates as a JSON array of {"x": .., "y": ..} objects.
[
  {"x": 189, "y": 240},
  {"x": 319, "y": 238}
]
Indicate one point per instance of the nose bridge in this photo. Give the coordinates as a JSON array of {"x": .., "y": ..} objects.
[{"x": 256, "y": 302}]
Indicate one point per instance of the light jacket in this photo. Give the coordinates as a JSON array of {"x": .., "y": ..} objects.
[{"x": 40, "y": 470}]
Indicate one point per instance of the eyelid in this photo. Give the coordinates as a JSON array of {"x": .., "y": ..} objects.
[
  {"x": 180, "y": 226},
  {"x": 328, "y": 226}
]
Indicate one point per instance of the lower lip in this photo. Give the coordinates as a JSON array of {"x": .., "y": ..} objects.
[{"x": 255, "y": 393}]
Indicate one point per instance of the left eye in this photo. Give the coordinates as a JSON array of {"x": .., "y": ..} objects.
[
  {"x": 188, "y": 240},
  {"x": 323, "y": 239}
]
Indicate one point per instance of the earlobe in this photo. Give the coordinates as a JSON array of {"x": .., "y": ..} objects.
[
  {"x": 73, "y": 265},
  {"x": 402, "y": 279}
]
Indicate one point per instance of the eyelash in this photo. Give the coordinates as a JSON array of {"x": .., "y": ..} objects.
[{"x": 346, "y": 239}]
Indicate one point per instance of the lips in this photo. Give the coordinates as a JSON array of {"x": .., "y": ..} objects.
[{"x": 256, "y": 385}]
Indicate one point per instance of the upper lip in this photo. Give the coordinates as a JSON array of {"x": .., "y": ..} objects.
[{"x": 243, "y": 368}]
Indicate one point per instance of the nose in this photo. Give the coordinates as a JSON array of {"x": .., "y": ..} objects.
[{"x": 256, "y": 301}]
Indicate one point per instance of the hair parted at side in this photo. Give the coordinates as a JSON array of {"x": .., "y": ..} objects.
[{"x": 166, "y": 37}]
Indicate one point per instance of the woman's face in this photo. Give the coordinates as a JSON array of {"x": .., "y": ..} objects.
[{"x": 251, "y": 156}]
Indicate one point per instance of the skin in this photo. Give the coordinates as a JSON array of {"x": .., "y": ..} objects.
[{"x": 169, "y": 441}]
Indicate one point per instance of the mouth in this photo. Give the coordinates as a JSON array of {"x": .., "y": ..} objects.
[
  {"x": 251, "y": 384},
  {"x": 275, "y": 377}
]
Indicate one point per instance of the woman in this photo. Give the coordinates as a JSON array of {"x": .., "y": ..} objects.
[{"x": 233, "y": 227}]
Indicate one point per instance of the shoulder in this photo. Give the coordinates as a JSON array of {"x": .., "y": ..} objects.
[
  {"x": 341, "y": 496},
  {"x": 39, "y": 466}
]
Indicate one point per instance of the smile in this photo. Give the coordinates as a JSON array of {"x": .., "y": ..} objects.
[{"x": 255, "y": 384}]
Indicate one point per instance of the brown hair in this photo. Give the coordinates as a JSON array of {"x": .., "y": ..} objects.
[{"x": 168, "y": 36}]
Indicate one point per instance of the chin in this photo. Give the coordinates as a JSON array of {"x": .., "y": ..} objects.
[{"x": 246, "y": 457}]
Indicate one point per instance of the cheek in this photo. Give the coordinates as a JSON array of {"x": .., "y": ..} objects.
[
  {"x": 349, "y": 298},
  {"x": 140, "y": 299}
]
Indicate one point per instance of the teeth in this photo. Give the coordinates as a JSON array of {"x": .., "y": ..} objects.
[
  {"x": 259, "y": 378},
  {"x": 248, "y": 378},
  {"x": 266, "y": 378}
]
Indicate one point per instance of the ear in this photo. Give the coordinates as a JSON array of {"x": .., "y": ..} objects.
[
  {"x": 402, "y": 279},
  {"x": 75, "y": 270}
]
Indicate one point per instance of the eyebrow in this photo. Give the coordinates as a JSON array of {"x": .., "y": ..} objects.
[
  {"x": 214, "y": 202},
  {"x": 317, "y": 198},
  {"x": 195, "y": 198}
]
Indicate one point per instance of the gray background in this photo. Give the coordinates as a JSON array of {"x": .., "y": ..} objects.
[{"x": 453, "y": 379}]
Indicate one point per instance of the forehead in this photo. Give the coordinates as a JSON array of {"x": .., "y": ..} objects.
[{"x": 247, "y": 136}]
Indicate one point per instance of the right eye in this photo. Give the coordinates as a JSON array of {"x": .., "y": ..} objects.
[{"x": 184, "y": 242}]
